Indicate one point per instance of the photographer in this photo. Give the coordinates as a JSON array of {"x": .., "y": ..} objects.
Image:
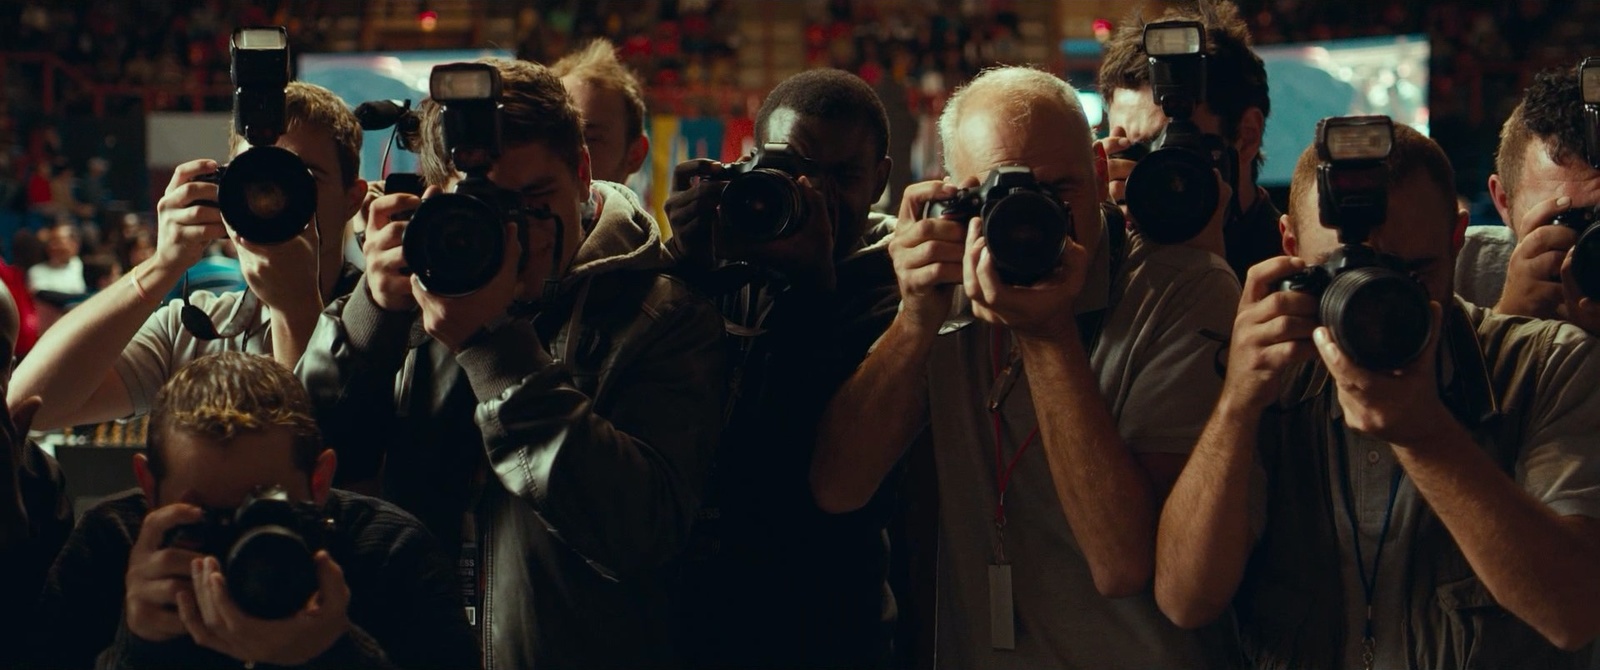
[
  {"x": 608, "y": 96},
  {"x": 35, "y": 513},
  {"x": 1542, "y": 171},
  {"x": 1108, "y": 372},
  {"x": 106, "y": 358},
  {"x": 554, "y": 424},
  {"x": 1440, "y": 515},
  {"x": 1235, "y": 108},
  {"x": 813, "y": 300},
  {"x": 224, "y": 430}
]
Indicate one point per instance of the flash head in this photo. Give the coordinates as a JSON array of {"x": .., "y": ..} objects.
[
  {"x": 464, "y": 82},
  {"x": 1345, "y": 139},
  {"x": 1173, "y": 38}
]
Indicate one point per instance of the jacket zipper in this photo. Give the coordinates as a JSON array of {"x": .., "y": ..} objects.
[{"x": 488, "y": 598}]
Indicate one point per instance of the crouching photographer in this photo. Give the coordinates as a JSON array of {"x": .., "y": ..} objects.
[
  {"x": 1426, "y": 475},
  {"x": 235, "y": 550},
  {"x": 781, "y": 240},
  {"x": 524, "y": 379}
]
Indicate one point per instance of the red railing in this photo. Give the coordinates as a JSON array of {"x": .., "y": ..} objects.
[{"x": 151, "y": 97}]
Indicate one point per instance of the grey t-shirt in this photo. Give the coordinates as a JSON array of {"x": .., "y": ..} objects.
[
  {"x": 1481, "y": 265},
  {"x": 163, "y": 345},
  {"x": 1559, "y": 465},
  {"x": 1157, "y": 368}
]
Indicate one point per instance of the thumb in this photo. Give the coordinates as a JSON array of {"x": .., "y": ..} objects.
[
  {"x": 22, "y": 416},
  {"x": 332, "y": 591}
]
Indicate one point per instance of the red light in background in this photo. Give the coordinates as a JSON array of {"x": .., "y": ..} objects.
[
  {"x": 428, "y": 19},
  {"x": 1102, "y": 30}
]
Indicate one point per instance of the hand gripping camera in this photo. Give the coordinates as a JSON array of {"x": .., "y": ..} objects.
[
  {"x": 267, "y": 547},
  {"x": 1378, "y": 313},
  {"x": 1586, "y": 253},
  {"x": 455, "y": 242},
  {"x": 762, "y": 201},
  {"x": 266, "y": 194},
  {"x": 1171, "y": 192},
  {"x": 1025, "y": 225}
]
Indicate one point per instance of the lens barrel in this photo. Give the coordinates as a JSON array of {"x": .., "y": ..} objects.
[
  {"x": 1379, "y": 317},
  {"x": 763, "y": 205}
]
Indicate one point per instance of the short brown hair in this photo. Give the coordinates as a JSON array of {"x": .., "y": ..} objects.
[
  {"x": 596, "y": 63},
  {"x": 1236, "y": 79},
  {"x": 1551, "y": 112},
  {"x": 320, "y": 108},
  {"x": 1413, "y": 154},
  {"x": 535, "y": 108},
  {"x": 225, "y": 394}
]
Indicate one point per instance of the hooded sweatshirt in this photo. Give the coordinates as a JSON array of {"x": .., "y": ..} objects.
[{"x": 563, "y": 453}]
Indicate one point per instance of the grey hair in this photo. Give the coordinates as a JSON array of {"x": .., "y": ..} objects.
[{"x": 1014, "y": 91}]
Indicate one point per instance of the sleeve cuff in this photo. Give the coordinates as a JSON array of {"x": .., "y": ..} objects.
[
  {"x": 502, "y": 358},
  {"x": 1575, "y": 507},
  {"x": 372, "y": 329}
]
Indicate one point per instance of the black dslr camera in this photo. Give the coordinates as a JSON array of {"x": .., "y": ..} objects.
[
  {"x": 387, "y": 114},
  {"x": 455, "y": 242},
  {"x": 1171, "y": 193},
  {"x": 267, "y": 548},
  {"x": 762, "y": 201},
  {"x": 1378, "y": 313},
  {"x": 1025, "y": 225},
  {"x": 266, "y": 194},
  {"x": 1586, "y": 253}
]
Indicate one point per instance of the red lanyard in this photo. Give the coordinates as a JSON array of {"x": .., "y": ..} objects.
[{"x": 1002, "y": 469}]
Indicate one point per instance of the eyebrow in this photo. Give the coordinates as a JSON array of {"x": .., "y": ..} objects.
[{"x": 538, "y": 185}]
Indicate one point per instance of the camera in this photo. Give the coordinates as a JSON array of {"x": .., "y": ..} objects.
[
  {"x": 1378, "y": 312},
  {"x": 1586, "y": 253},
  {"x": 1171, "y": 192},
  {"x": 455, "y": 242},
  {"x": 762, "y": 201},
  {"x": 387, "y": 114},
  {"x": 266, "y": 194},
  {"x": 267, "y": 547},
  {"x": 1026, "y": 226}
]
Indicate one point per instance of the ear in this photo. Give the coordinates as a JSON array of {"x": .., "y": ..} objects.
[
  {"x": 1502, "y": 200},
  {"x": 147, "y": 479},
  {"x": 322, "y": 476},
  {"x": 1291, "y": 246},
  {"x": 585, "y": 173},
  {"x": 881, "y": 176},
  {"x": 1252, "y": 126},
  {"x": 638, "y": 151},
  {"x": 354, "y": 197},
  {"x": 1459, "y": 238}
]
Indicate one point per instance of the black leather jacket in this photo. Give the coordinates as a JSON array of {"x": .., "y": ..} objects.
[{"x": 572, "y": 446}]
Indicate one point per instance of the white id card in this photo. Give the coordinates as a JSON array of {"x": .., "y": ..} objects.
[{"x": 1002, "y": 611}]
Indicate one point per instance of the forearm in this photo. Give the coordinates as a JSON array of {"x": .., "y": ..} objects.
[
  {"x": 70, "y": 362},
  {"x": 1549, "y": 581},
  {"x": 871, "y": 420},
  {"x": 1203, "y": 539},
  {"x": 1103, "y": 492}
]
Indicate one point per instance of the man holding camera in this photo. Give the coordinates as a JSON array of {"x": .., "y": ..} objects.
[
  {"x": 106, "y": 359},
  {"x": 1060, "y": 405},
  {"x": 1435, "y": 510},
  {"x": 1234, "y": 108},
  {"x": 1543, "y": 176},
  {"x": 189, "y": 572},
  {"x": 804, "y": 298},
  {"x": 552, "y": 420}
]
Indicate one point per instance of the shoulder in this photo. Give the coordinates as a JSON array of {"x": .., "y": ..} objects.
[
  {"x": 373, "y": 523},
  {"x": 1552, "y": 355},
  {"x": 1180, "y": 270},
  {"x": 118, "y": 516}
]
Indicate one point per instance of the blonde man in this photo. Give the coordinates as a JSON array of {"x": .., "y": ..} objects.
[{"x": 609, "y": 98}]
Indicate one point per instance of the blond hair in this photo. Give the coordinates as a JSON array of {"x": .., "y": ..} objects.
[
  {"x": 222, "y": 395},
  {"x": 596, "y": 64}
]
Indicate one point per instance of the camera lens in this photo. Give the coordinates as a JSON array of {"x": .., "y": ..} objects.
[
  {"x": 454, "y": 244},
  {"x": 267, "y": 195},
  {"x": 762, "y": 205},
  {"x": 1025, "y": 232},
  {"x": 1586, "y": 262},
  {"x": 1172, "y": 194},
  {"x": 1379, "y": 316},
  {"x": 270, "y": 572}
]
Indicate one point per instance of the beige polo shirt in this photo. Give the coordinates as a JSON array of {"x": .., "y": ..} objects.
[{"x": 163, "y": 345}]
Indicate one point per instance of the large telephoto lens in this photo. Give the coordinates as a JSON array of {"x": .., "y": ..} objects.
[
  {"x": 1380, "y": 317},
  {"x": 267, "y": 195},
  {"x": 1026, "y": 233},
  {"x": 762, "y": 205},
  {"x": 454, "y": 244},
  {"x": 1172, "y": 194}
]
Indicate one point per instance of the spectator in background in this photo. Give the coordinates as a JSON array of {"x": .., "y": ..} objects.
[
  {"x": 39, "y": 197},
  {"x": 612, "y": 103},
  {"x": 99, "y": 271},
  {"x": 62, "y": 270},
  {"x": 137, "y": 246}
]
